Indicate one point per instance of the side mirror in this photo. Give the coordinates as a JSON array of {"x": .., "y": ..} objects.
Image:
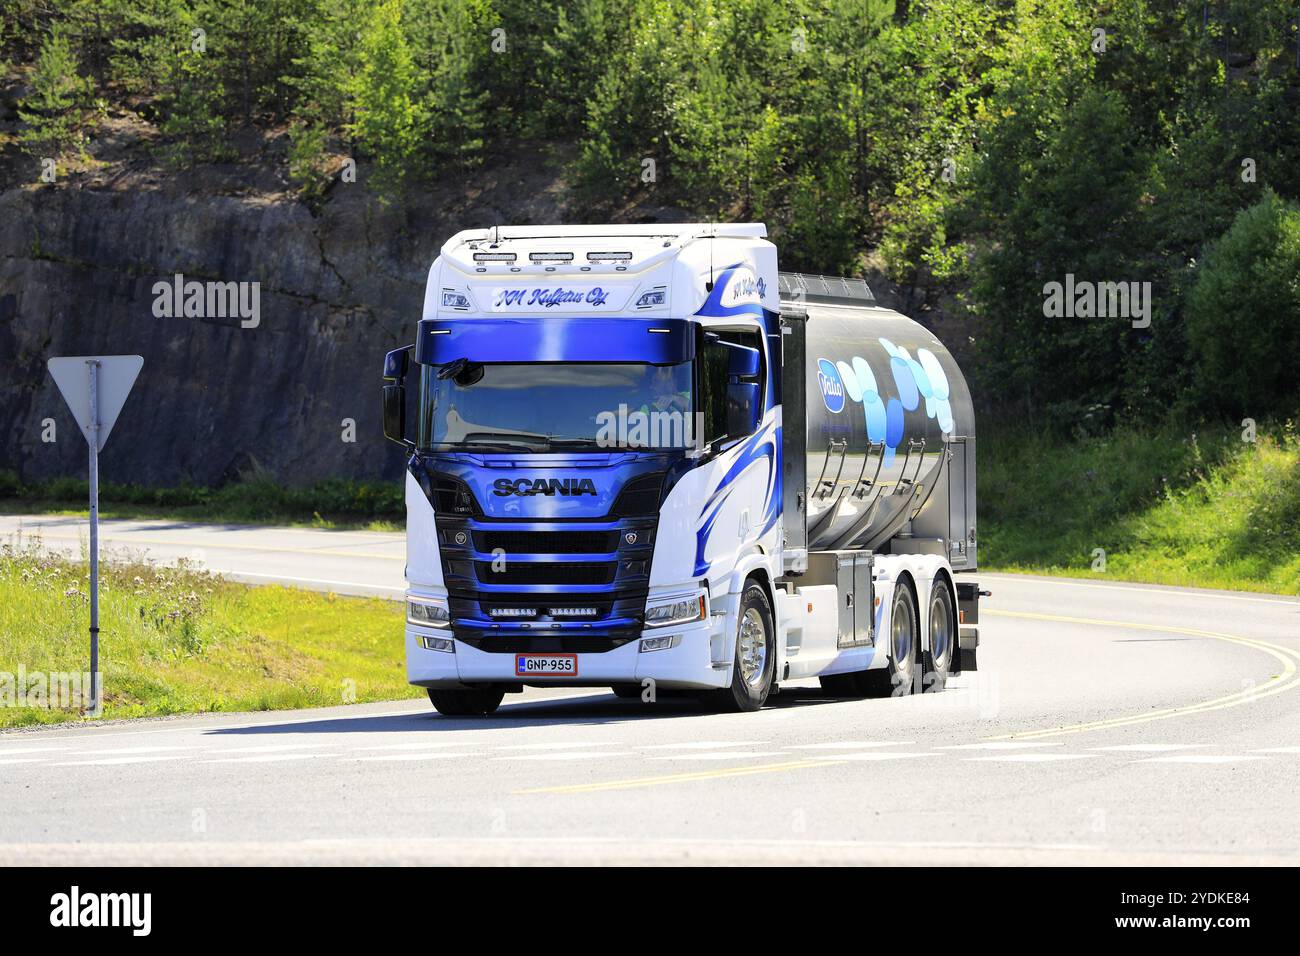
[
  {"x": 742, "y": 362},
  {"x": 395, "y": 414},
  {"x": 396, "y": 364},
  {"x": 743, "y": 411}
]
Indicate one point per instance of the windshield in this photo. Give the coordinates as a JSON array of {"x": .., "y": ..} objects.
[{"x": 545, "y": 406}]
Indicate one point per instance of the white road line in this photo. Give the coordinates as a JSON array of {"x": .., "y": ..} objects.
[
  {"x": 261, "y": 749},
  {"x": 724, "y": 755},
  {"x": 574, "y": 755},
  {"x": 110, "y": 731},
  {"x": 114, "y": 761},
  {"x": 418, "y": 756},
  {"x": 106, "y": 751},
  {"x": 267, "y": 758},
  {"x": 9, "y": 763},
  {"x": 1147, "y": 748},
  {"x": 1277, "y": 750},
  {"x": 413, "y": 745},
  {"x": 706, "y": 745},
  {"x": 1033, "y": 758},
  {"x": 869, "y": 755},
  {"x": 1001, "y": 745},
  {"x": 7, "y": 751},
  {"x": 851, "y": 744},
  {"x": 1167, "y": 591},
  {"x": 1202, "y": 758},
  {"x": 281, "y": 578},
  {"x": 558, "y": 745}
]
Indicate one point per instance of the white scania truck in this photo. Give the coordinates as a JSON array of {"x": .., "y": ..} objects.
[{"x": 643, "y": 456}]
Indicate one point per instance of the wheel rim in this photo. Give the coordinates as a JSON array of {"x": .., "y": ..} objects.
[
  {"x": 940, "y": 633},
  {"x": 753, "y": 647},
  {"x": 901, "y": 631}
]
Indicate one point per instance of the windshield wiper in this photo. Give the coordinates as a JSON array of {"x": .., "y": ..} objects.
[
  {"x": 502, "y": 440},
  {"x": 572, "y": 443}
]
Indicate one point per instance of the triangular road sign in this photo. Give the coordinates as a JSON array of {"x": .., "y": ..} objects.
[{"x": 116, "y": 375}]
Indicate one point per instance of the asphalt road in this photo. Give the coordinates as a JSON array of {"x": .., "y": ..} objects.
[{"x": 1108, "y": 724}]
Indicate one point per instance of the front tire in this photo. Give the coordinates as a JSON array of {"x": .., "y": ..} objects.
[
  {"x": 626, "y": 691},
  {"x": 473, "y": 702},
  {"x": 755, "y": 663}
]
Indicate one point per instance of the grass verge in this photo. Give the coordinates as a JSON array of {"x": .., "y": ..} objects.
[
  {"x": 257, "y": 499},
  {"x": 178, "y": 640},
  {"x": 1203, "y": 509}
]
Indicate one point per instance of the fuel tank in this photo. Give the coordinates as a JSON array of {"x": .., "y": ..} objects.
[{"x": 888, "y": 428}]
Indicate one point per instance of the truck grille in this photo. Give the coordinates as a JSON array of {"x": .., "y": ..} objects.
[
  {"x": 547, "y": 542},
  {"x": 548, "y": 573}
]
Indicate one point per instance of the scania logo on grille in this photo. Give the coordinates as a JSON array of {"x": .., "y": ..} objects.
[
  {"x": 630, "y": 537},
  {"x": 504, "y": 487}
]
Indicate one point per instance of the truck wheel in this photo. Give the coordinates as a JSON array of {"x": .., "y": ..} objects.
[
  {"x": 755, "y": 665},
  {"x": 475, "y": 702},
  {"x": 899, "y": 678},
  {"x": 937, "y": 665}
]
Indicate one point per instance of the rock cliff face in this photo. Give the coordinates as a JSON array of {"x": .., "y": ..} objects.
[
  {"x": 79, "y": 260},
  {"x": 78, "y": 263}
]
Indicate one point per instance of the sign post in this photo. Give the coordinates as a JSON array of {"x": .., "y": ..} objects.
[{"x": 95, "y": 388}]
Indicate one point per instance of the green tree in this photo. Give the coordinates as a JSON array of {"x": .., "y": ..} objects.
[
  {"x": 52, "y": 112},
  {"x": 391, "y": 122},
  {"x": 1243, "y": 317}
]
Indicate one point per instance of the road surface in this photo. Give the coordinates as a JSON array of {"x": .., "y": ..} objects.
[{"x": 1107, "y": 724}]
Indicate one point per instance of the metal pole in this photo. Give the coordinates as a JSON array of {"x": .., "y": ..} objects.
[{"x": 96, "y": 705}]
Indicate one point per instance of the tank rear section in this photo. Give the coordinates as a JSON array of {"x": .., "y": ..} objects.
[{"x": 880, "y": 433}]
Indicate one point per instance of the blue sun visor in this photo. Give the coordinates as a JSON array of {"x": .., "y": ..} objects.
[{"x": 654, "y": 341}]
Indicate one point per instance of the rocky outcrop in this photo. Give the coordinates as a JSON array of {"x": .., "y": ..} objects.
[{"x": 78, "y": 264}]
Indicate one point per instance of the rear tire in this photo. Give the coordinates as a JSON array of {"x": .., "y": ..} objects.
[
  {"x": 755, "y": 664},
  {"x": 473, "y": 702},
  {"x": 898, "y": 679},
  {"x": 936, "y": 666}
]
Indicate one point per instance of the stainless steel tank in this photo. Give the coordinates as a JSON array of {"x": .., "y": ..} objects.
[{"x": 888, "y": 456}]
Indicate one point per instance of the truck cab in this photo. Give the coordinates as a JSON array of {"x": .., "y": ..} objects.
[{"x": 597, "y": 477}]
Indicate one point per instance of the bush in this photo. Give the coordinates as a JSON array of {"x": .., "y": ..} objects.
[{"x": 1243, "y": 321}]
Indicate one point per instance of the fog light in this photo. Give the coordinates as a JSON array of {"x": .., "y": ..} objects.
[
  {"x": 660, "y": 643},
  {"x": 513, "y": 612},
  {"x": 445, "y": 644}
]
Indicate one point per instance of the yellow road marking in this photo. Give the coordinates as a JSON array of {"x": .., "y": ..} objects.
[
  {"x": 211, "y": 546},
  {"x": 1289, "y": 679},
  {"x": 680, "y": 777}
]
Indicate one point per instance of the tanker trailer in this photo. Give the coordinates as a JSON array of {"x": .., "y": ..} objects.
[{"x": 879, "y": 495}]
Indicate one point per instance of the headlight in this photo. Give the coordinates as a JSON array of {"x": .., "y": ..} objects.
[
  {"x": 426, "y": 612},
  {"x": 682, "y": 611},
  {"x": 650, "y": 299}
]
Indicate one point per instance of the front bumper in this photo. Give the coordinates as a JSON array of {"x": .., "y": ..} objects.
[{"x": 688, "y": 665}]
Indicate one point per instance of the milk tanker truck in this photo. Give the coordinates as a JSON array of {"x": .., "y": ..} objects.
[{"x": 641, "y": 457}]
